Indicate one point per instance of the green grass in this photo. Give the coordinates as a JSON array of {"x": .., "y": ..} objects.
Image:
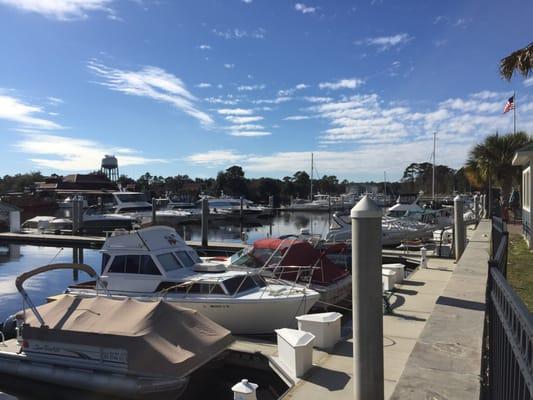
[{"x": 520, "y": 269}]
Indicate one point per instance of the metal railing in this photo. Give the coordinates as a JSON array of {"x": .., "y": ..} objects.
[{"x": 507, "y": 361}]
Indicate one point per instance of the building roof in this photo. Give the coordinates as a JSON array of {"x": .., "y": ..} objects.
[{"x": 524, "y": 156}]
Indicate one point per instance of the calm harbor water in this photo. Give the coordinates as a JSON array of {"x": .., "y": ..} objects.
[{"x": 20, "y": 258}]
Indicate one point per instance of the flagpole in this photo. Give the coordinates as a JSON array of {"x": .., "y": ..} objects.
[{"x": 514, "y": 112}]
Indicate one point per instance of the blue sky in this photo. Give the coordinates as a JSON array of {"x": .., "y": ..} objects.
[{"x": 192, "y": 87}]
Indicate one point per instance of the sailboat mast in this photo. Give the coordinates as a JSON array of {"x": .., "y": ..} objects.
[
  {"x": 312, "y": 166},
  {"x": 433, "y": 178}
]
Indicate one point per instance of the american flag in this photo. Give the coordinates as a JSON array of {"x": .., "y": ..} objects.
[{"x": 509, "y": 105}]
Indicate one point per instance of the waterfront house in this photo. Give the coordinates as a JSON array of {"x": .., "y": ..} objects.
[{"x": 524, "y": 158}]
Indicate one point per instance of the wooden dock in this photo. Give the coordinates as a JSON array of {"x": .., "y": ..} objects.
[{"x": 96, "y": 242}]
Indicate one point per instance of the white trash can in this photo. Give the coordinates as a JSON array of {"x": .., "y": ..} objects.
[
  {"x": 295, "y": 350},
  {"x": 399, "y": 270},
  {"x": 325, "y": 326},
  {"x": 388, "y": 278}
]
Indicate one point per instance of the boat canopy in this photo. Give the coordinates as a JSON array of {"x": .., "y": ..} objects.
[
  {"x": 144, "y": 337},
  {"x": 296, "y": 252},
  {"x": 154, "y": 238}
]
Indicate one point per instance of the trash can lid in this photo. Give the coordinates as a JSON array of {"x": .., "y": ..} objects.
[
  {"x": 320, "y": 317},
  {"x": 295, "y": 337}
]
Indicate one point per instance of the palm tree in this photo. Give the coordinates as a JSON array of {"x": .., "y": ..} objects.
[
  {"x": 520, "y": 60},
  {"x": 491, "y": 161}
]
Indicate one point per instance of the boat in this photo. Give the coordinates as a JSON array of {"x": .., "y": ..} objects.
[
  {"x": 293, "y": 259},
  {"x": 38, "y": 224},
  {"x": 109, "y": 346},
  {"x": 407, "y": 205},
  {"x": 231, "y": 207},
  {"x": 394, "y": 230},
  {"x": 156, "y": 262}
]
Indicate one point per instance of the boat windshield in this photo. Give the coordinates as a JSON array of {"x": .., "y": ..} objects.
[
  {"x": 134, "y": 209},
  {"x": 169, "y": 262},
  {"x": 241, "y": 284},
  {"x": 247, "y": 260},
  {"x": 131, "y": 197},
  {"x": 185, "y": 258}
]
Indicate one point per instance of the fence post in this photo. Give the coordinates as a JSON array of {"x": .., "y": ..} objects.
[
  {"x": 476, "y": 207},
  {"x": 367, "y": 307},
  {"x": 459, "y": 227}
]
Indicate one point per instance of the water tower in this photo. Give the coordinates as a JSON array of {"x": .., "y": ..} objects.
[{"x": 110, "y": 167}]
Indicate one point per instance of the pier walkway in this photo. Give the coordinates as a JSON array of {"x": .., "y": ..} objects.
[{"x": 432, "y": 341}]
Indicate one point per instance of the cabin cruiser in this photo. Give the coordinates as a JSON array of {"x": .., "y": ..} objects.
[
  {"x": 231, "y": 207},
  {"x": 36, "y": 224},
  {"x": 394, "y": 230},
  {"x": 109, "y": 346},
  {"x": 292, "y": 259},
  {"x": 407, "y": 206},
  {"x": 155, "y": 262}
]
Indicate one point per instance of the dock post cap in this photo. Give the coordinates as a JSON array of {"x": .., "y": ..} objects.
[
  {"x": 366, "y": 208},
  {"x": 458, "y": 198},
  {"x": 245, "y": 387}
]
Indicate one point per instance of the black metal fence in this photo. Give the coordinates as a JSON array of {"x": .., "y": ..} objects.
[{"x": 507, "y": 370}]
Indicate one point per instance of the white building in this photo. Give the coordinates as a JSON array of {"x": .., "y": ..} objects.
[{"x": 524, "y": 158}]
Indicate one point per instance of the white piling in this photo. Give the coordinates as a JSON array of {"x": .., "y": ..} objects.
[
  {"x": 476, "y": 207},
  {"x": 423, "y": 257},
  {"x": 367, "y": 307},
  {"x": 459, "y": 227},
  {"x": 245, "y": 390}
]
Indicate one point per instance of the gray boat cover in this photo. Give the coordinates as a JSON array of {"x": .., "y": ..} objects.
[{"x": 160, "y": 337}]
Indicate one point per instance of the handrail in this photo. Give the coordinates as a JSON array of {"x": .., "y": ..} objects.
[{"x": 50, "y": 267}]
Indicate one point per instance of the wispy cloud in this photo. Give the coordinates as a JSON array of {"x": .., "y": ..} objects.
[
  {"x": 215, "y": 158},
  {"x": 154, "y": 83},
  {"x": 304, "y": 9},
  {"x": 341, "y": 84},
  {"x": 386, "y": 42},
  {"x": 296, "y": 118},
  {"x": 229, "y": 66},
  {"x": 277, "y": 100},
  {"x": 249, "y": 88},
  {"x": 318, "y": 99},
  {"x": 73, "y": 154},
  {"x": 63, "y": 10},
  {"x": 240, "y": 33},
  {"x": 245, "y": 133},
  {"x": 235, "y": 111},
  {"x": 528, "y": 81},
  {"x": 25, "y": 115},
  {"x": 203, "y": 85},
  {"x": 204, "y": 47},
  {"x": 243, "y": 120}
]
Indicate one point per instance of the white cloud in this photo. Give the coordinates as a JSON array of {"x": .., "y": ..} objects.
[
  {"x": 249, "y": 88},
  {"x": 235, "y": 111},
  {"x": 528, "y": 81},
  {"x": 55, "y": 100},
  {"x": 221, "y": 100},
  {"x": 240, "y": 33},
  {"x": 301, "y": 86},
  {"x": 63, "y": 9},
  {"x": 386, "y": 42},
  {"x": 205, "y": 47},
  {"x": 277, "y": 100},
  {"x": 245, "y": 133},
  {"x": 318, "y": 99},
  {"x": 341, "y": 84},
  {"x": 247, "y": 1},
  {"x": 296, "y": 118},
  {"x": 214, "y": 158},
  {"x": 245, "y": 127},
  {"x": 203, "y": 85},
  {"x": 61, "y": 153},
  {"x": 154, "y": 83},
  {"x": 229, "y": 66},
  {"x": 27, "y": 116},
  {"x": 304, "y": 9},
  {"x": 243, "y": 120}
]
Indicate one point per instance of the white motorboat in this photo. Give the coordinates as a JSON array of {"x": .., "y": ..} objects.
[
  {"x": 394, "y": 230},
  {"x": 155, "y": 262},
  {"x": 37, "y": 224},
  {"x": 109, "y": 346},
  {"x": 231, "y": 207},
  {"x": 407, "y": 206}
]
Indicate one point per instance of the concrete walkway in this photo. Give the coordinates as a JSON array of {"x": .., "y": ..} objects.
[{"x": 413, "y": 304}]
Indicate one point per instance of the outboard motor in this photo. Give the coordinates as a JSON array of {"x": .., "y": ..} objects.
[{"x": 8, "y": 328}]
